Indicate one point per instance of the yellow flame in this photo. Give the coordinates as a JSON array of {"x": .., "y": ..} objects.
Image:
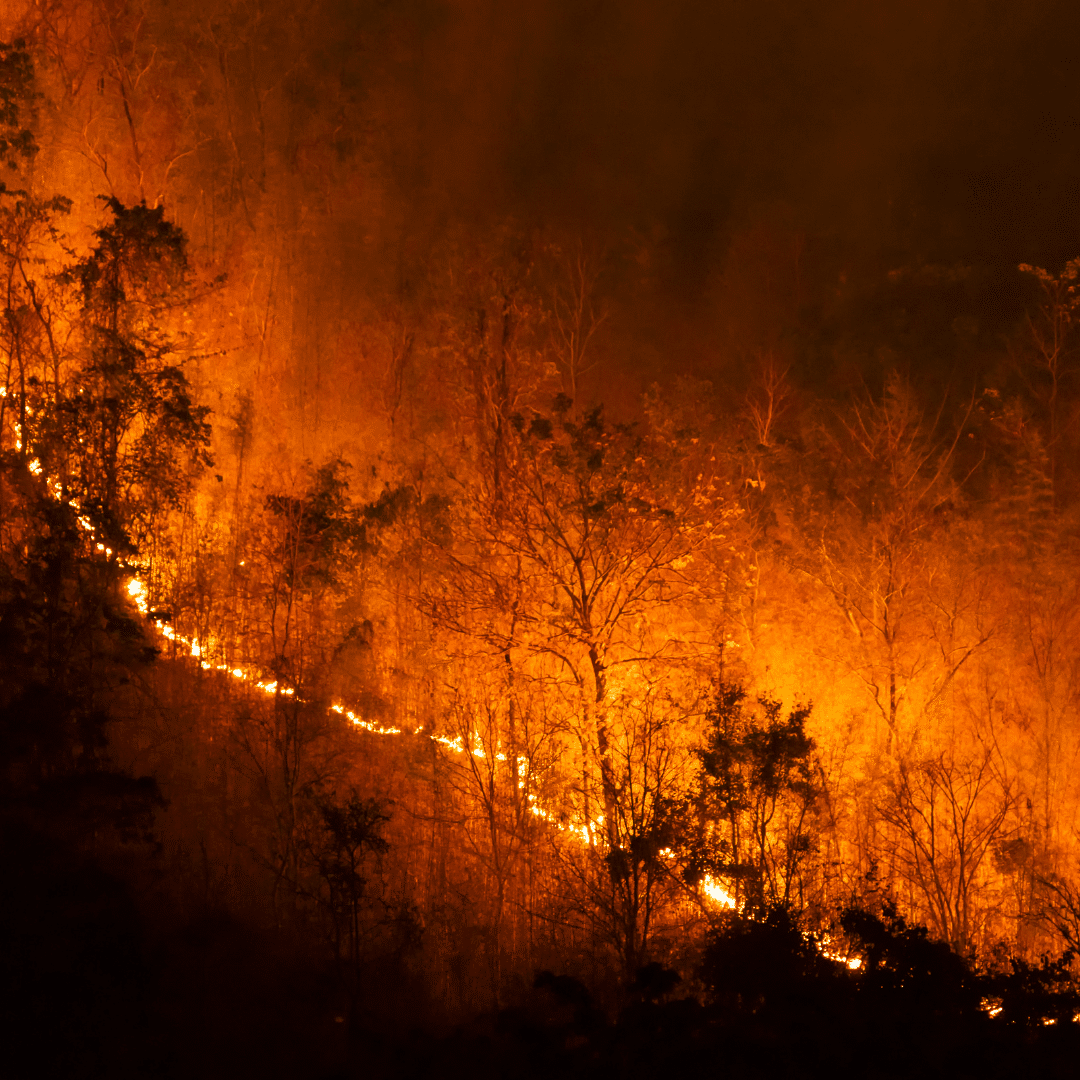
[
  {"x": 717, "y": 893},
  {"x": 138, "y": 592}
]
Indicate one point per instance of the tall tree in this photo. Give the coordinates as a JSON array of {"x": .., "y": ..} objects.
[{"x": 752, "y": 811}]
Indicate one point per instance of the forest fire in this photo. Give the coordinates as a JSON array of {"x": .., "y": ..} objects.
[
  {"x": 510, "y": 385},
  {"x": 717, "y": 893}
]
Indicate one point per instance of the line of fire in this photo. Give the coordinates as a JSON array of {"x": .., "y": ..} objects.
[{"x": 538, "y": 543}]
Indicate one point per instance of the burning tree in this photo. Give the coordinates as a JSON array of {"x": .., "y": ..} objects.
[
  {"x": 99, "y": 432},
  {"x": 943, "y": 817},
  {"x": 577, "y": 572},
  {"x": 751, "y": 814}
]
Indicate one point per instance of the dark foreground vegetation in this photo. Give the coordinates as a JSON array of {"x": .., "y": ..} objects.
[{"x": 104, "y": 979}]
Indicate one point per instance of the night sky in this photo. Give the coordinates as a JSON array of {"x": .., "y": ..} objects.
[
  {"x": 777, "y": 160},
  {"x": 905, "y": 131}
]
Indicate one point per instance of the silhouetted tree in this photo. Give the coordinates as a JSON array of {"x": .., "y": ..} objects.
[
  {"x": 750, "y": 814},
  {"x": 348, "y": 834}
]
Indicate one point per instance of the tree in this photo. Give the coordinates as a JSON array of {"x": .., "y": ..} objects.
[
  {"x": 302, "y": 564},
  {"x": 128, "y": 437},
  {"x": 575, "y": 316},
  {"x": 875, "y": 534},
  {"x": 750, "y": 813},
  {"x": 17, "y": 142},
  {"x": 606, "y": 559},
  {"x": 577, "y": 572},
  {"x": 946, "y": 813},
  {"x": 503, "y": 777},
  {"x": 1050, "y": 379},
  {"x": 764, "y": 960},
  {"x": 99, "y": 435},
  {"x": 620, "y": 881},
  {"x": 347, "y": 835},
  {"x": 70, "y": 647}
]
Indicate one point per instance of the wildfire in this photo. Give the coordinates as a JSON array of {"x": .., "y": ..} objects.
[
  {"x": 359, "y": 722},
  {"x": 585, "y": 831},
  {"x": 717, "y": 893},
  {"x": 852, "y": 963},
  {"x": 139, "y": 593}
]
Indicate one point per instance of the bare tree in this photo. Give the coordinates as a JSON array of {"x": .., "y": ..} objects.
[
  {"x": 768, "y": 399},
  {"x": 576, "y": 314},
  {"x": 875, "y": 539},
  {"x": 1050, "y": 331},
  {"x": 946, "y": 813},
  {"x": 626, "y": 888}
]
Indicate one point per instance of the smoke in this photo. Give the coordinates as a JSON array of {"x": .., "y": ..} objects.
[{"x": 930, "y": 130}]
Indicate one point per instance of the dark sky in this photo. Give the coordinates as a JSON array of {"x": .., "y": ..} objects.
[
  {"x": 779, "y": 159},
  {"x": 928, "y": 129}
]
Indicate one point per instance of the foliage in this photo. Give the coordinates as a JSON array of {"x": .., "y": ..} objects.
[
  {"x": 750, "y": 962},
  {"x": 125, "y": 435},
  {"x": 16, "y": 93},
  {"x": 98, "y": 436},
  {"x": 901, "y": 958},
  {"x": 350, "y": 832},
  {"x": 751, "y": 811}
]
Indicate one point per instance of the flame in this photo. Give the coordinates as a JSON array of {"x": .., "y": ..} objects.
[
  {"x": 852, "y": 963},
  {"x": 717, "y": 893},
  {"x": 138, "y": 592},
  {"x": 585, "y": 830}
]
